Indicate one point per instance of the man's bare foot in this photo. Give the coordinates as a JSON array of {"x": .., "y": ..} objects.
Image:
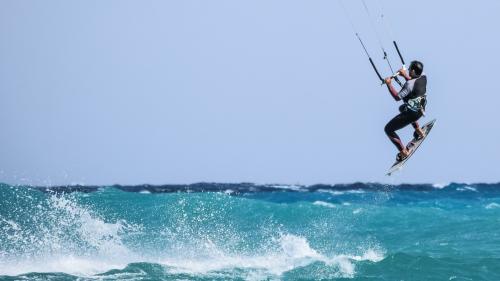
[
  {"x": 403, "y": 154},
  {"x": 419, "y": 133}
]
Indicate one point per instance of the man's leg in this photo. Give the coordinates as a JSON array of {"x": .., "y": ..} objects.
[
  {"x": 418, "y": 134},
  {"x": 395, "y": 124}
]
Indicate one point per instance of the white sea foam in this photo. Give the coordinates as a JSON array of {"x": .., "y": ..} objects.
[
  {"x": 290, "y": 252},
  {"x": 334, "y": 192},
  {"x": 74, "y": 265},
  {"x": 440, "y": 185},
  {"x": 324, "y": 204},
  {"x": 289, "y": 187},
  {"x": 293, "y": 252},
  {"x": 467, "y": 188},
  {"x": 370, "y": 255},
  {"x": 92, "y": 246},
  {"x": 95, "y": 246},
  {"x": 12, "y": 224},
  {"x": 339, "y": 192},
  {"x": 356, "y": 191},
  {"x": 103, "y": 237},
  {"x": 492, "y": 206},
  {"x": 348, "y": 268}
]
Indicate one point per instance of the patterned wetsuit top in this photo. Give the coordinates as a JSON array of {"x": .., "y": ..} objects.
[{"x": 413, "y": 92}]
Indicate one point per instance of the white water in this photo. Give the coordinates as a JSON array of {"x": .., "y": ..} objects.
[
  {"x": 294, "y": 252},
  {"x": 95, "y": 246}
]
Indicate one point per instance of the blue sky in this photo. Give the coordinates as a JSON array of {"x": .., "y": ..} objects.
[{"x": 130, "y": 92}]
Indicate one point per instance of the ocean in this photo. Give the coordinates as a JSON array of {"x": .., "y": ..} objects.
[{"x": 210, "y": 231}]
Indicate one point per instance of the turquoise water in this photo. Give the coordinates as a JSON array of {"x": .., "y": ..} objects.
[{"x": 251, "y": 232}]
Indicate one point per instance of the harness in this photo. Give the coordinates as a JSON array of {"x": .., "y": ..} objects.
[{"x": 417, "y": 104}]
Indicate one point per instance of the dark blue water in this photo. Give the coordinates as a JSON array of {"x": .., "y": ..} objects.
[{"x": 250, "y": 232}]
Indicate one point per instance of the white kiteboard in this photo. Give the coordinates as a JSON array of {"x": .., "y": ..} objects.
[{"x": 399, "y": 164}]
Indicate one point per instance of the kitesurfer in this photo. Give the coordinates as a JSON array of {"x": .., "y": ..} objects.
[{"x": 413, "y": 95}]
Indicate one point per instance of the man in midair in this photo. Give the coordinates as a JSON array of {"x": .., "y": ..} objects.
[{"x": 413, "y": 94}]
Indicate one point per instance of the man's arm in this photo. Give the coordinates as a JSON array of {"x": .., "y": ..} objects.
[
  {"x": 402, "y": 72},
  {"x": 394, "y": 93}
]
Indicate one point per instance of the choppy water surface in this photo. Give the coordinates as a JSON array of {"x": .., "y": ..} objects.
[{"x": 251, "y": 232}]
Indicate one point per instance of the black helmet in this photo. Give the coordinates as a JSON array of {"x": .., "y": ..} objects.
[{"x": 417, "y": 66}]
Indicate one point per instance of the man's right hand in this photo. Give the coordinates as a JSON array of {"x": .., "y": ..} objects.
[
  {"x": 388, "y": 80},
  {"x": 402, "y": 72}
]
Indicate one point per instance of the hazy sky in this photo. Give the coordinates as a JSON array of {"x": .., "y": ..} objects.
[{"x": 103, "y": 92}]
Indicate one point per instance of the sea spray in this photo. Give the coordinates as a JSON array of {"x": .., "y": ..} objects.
[
  {"x": 50, "y": 232},
  {"x": 251, "y": 233}
]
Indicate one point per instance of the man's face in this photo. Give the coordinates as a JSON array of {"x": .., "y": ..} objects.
[{"x": 412, "y": 73}]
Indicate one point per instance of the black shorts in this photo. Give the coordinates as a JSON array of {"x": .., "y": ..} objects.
[{"x": 403, "y": 119}]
